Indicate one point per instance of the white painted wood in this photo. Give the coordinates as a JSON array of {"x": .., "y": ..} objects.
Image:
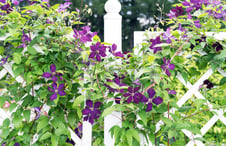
[{"x": 86, "y": 134}]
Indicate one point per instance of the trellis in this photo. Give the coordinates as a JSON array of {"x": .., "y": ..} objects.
[{"x": 112, "y": 34}]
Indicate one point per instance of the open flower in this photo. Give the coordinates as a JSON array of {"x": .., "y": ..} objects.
[
  {"x": 84, "y": 35},
  {"x": 38, "y": 112},
  {"x": 155, "y": 42},
  {"x": 53, "y": 75},
  {"x": 208, "y": 84},
  {"x": 3, "y": 60},
  {"x": 113, "y": 48},
  {"x": 91, "y": 112},
  {"x": 217, "y": 46},
  {"x": 98, "y": 51},
  {"x": 167, "y": 66},
  {"x": 134, "y": 95},
  {"x": 157, "y": 100},
  {"x": 167, "y": 36},
  {"x": 197, "y": 23},
  {"x": 55, "y": 90},
  {"x": 178, "y": 11},
  {"x": 25, "y": 39}
]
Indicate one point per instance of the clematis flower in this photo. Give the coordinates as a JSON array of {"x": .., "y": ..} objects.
[
  {"x": 3, "y": 60},
  {"x": 134, "y": 95},
  {"x": 3, "y": 1},
  {"x": 55, "y": 90},
  {"x": 155, "y": 42},
  {"x": 84, "y": 35},
  {"x": 197, "y": 23},
  {"x": 166, "y": 65},
  {"x": 113, "y": 48},
  {"x": 208, "y": 84},
  {"x": 53, "y": 75},
  {"x": 78, "y": 131},
  {"x": 6, "y": 8},
  {"x": 16, "y": 144},
  {"x": 15, "y": 2},
  {"x": 25, "y": 39},
  {"x": 167, "y": 36},
  {"x": 64, "y": 6},
  {"x": 157, "y": 100},
  {"x": 178, "y": 11},
  {"x": 38, "y": 112},
  {"x": 98, "y": 51},
  {"x": 217, "y": 46},
  {"x": 91, "y": 112}
]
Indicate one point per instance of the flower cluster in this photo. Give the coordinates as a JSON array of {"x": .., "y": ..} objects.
[{"x": 91, "y": 111}]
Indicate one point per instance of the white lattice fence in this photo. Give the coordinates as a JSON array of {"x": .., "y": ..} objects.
[{"x": 139, "y": 37}]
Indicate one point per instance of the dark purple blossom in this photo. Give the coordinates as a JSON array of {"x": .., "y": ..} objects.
[
  {"x": 134, "y": 95},
  {"x": 189, "y": 16},
  {"x": 208, "y": 84},
  {"x": 167, "y": 36},
  {"x": 3, "y": 60},
  {"x": 197, "y": 23},
  {"x": 157, "y": 100},
  {"x": 53, "y": 75},
  {"x": 172, "y": 92},
  {"x": 155, "y": 42},
  {"x": 38, "y": 112},
  {"x": 6, "y": 8},
  {"x": 3, "y": 1},
  {"x": 98, "y": 51},
  {"x": 84, "y": 35},
  {"x": 16, "y": 144},
  {"x": 55, "y": 90},
  {"x": 25, "y": 39},
  {"x": 78, "y": 131},
  {"x": 64, "y": 6},
  {"x": 166, "y": 66},
  {"x": 4, "y": 144},
  {"x": 91, "y": 112},
  {"x": 178, "y": 11},
  {"x": 113, "y": 49},
  {"x": 217, "y": 46}
]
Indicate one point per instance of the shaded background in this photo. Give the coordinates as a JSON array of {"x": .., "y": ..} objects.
[{"x": 137, "y": 15}]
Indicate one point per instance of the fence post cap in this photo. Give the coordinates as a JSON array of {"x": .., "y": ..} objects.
[{"x": 112, "y": 6}]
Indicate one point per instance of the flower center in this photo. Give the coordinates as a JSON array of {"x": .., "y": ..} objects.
[
  {"x": 149, "y": 100},
  {"x": 56, "y": 91},
  {"x": 54, "y": 73},
  {"x": 97, "y": 51},
  {"x": 133, "y": 94}
]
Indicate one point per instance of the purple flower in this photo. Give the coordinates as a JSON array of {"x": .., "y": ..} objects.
[
  {"x": 217, "y": 46},
  {"x": 64, "y": 6},
  {"x": 15, "y": 2},
  {"x": 208, "y": 84},
  {"x": 137, "y": 82},
  {"x": 157, "y": 100},
  {"x": 172, "y": 92},
  {"x": 25, "y": 39},
  {"x": 3, "y": 60},
  {"x": 38, "y": 112},
  {"x": 167, "y": 66},
  {"x": 78, "y": 131},
  {"x": 16, "y": 144},
  {"x": 55, "y": 90},
  {"x": 3, "y": 1},
  {"x": 113, "y": 48},
  {"x": 6, "y": 8},
  {"x": 91, "y": 112},
  {"x": 134, "y": 95},
  {"x": 167, "y": 36},
  {"x": 84, "y": 35},
  {"x": 53, "y": 75},
  {"x": 155, "y": 42},
  {"x": 197, "y": 23},
  {"x": 98, "y": 51},
  {"x": 178, "y": 11},
  {"x": 189, "y": 16},
  {"x": 185, "y": 3},
  {"x": 4, "y": 144}
]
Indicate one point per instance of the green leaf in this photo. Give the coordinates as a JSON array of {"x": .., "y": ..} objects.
[
  {"x": 5, "y": 132},
  {"x": 135, "y": 134},
  {"x": 42, "y": 123},
  {"x": 222, "y": 54},
  {"x": 108, "y": 111},
  {"x": 17, "y": 121},
  {"x": 141, "y": 72},
  {"x": 54, "y": 140},
  {"x": 12, "y": 107},
  {"x": 17, "y": 57},
  {"x": 45, "y": 136},
  {"x": 195, "y": 130},
  {"x": 31, "y": 50},
  {"x": 142, "y": 114},
  {"x": 72, "y": 117},
  {"x": 223, "y": 81},
  {"x": 184, "y": 108},
  {"x": 172, "y": 133},
  {"x": 27, "y": 114},
  {"x": 6, "y": 122},
  {"x": 167, "y": 121},
  {"x": 78, "y": 101},
  {"x": 129, "y": 138}
]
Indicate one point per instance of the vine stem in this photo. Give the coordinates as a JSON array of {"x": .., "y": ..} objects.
[
  {"x": 154, "y": 125},
  {"x": 168, "y": 118},
  {"x": 153, "y": 84}
]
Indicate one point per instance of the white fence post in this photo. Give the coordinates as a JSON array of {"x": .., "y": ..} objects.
[{"x": 112, "y": 34}]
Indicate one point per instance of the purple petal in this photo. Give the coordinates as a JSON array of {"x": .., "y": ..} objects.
[
  {"x": 52, "y": 68},
  {"x": 97, "y": 104},
  {"x": 61, "y": 86},
  {"x": 89, "y": 103},
  {"x": 129, "y": 99},
  {"x": 158, "y": 100},
  {"x": 46, "y": 75},
  {"x": 136, "y": 99},
  {"x": 61, "y": 93},
  {"x": 136, "y": 89},
  {"x": 172, "y": 92},
  {"x": 126, "y": 94},
  {"x": 54, "y": 79},
  {"x": 118, "y": 54},
  {"x": 168, "y": 72},
  {"x": 114, "y": 47},
  {"x": 92, "y": 55},
  {"x": 149, "y": 107},
  {"x": 102, "y": 53},
  {"x": 98, "y": 57},
  {"x": 151, "y": 93},
  {"x": 54, "y": 85},
  {"x": 171, "y": 66},
  {"x": 50, "y": 89},
  {"x": 130, "y": 89},
  {"x": 54, "y": 96},
  {"x": 86, "y": 111}
]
